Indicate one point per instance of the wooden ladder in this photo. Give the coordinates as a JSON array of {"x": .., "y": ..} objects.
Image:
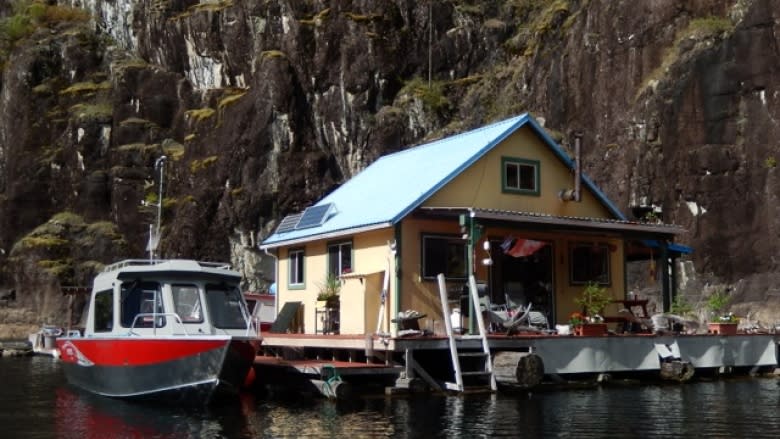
[{"x": 479, "y": 364}]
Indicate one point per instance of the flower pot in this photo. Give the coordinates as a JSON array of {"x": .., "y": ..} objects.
[
  {"x": 590, "y": 329},
  {"x": 722, "y": 328}
]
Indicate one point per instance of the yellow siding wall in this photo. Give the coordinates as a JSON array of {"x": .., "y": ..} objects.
[
  {"x": 360, "y": 290},
  {"x": 420, "y": 294},
  {"x": 480, "y": 185}
]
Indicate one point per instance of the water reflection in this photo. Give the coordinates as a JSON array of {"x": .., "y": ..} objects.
[
  {"x": 82, "y": 415},
  {"x": 36, "y": 402},
  {"x": 715, "y": 409}
]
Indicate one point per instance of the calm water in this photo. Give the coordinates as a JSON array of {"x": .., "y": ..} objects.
[{"x": 36, "y": 403}]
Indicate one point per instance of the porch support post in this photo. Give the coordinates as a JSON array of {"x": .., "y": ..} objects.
[
  {"x": 673, "y": 280},
  {"x": 665, "y": 281},
  {"x": 395, "y": 284},
  {"x": 470, "y": 268}
]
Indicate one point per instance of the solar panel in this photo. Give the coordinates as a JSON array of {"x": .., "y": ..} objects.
[
  {"x": 314, "y": 216},
  {"x": 289, "y": 222}
]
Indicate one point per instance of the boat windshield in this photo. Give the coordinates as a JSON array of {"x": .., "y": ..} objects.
[
  {"x": 226, "y": 307},
  {"x": 141, "y": 298},
  {"x": 186, "y": 301}
]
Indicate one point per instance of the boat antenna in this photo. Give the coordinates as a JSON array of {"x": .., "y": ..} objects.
[{"x": 154, "y": 234}]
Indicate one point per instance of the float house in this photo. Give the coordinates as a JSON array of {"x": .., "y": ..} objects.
[{"x": 504, "y": 202}]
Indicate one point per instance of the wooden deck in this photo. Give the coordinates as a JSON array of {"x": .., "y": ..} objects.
[{"x": 315, "y": 367}]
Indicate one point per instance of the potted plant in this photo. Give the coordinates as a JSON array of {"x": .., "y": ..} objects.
[
  {"x": 593, "y": 300},
  {"x": 680, "y": 307},
  {"x": 720, "y": 322},
  {"x": 328, "y": 296}
]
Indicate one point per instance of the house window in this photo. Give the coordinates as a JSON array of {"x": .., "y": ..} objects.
[
  {"x": 520, "y": 176},
  {"x": 444, "y": 254},
  {"x": 590, "y": 263},
  {"x": 296, "y": 258},
  {"x": 339, "y": 258}
]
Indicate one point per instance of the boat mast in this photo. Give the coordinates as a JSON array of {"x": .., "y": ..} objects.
[{"x": 154, "y": 234}]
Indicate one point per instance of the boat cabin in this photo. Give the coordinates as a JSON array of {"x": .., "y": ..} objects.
[
  {"x": 173, "y": 297},
  {"x": 503, "y": 202}
]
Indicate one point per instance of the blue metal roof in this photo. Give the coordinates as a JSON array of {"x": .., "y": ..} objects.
[{"x": 394, "y": 185}]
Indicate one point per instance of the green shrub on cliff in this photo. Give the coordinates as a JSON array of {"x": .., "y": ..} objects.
[
  {"x": 30, "y": 15},
  {"x": 432, "y": 96},
  {"x": 14, "y": 28}
]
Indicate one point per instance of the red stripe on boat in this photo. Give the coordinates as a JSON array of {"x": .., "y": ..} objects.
[{"x": 134, "y": 352}]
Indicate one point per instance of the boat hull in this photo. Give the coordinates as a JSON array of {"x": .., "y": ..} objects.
[{"x": 190, "y": 369}]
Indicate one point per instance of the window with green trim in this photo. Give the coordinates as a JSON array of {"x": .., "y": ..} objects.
[
  {"x": 445, "y": 254},
  {"x": 296, "y": 258},
  {"x": 340, "y": 258},
  {"x": 520, "y": 176}
]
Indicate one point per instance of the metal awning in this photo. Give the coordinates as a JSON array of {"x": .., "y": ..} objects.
[{"x": 621, "y": 227}]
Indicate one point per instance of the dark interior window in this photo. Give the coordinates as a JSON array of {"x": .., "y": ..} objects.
[
  {"x": 104, "y": 311},
  {"x": 142, "y": 298},
  {"x": 226, "y": 307},
  {"x": 590, "y": 263},
  {"x": 444, "y": 254}
]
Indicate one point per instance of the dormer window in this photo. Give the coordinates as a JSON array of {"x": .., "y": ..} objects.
[{"x": 519, "y": 176}]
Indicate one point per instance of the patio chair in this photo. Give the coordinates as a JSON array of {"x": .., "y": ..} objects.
[
  {"x": 514, "y": 295},
  {"x": 663, "y": 323},
  {"x": 513, "y": 322},
  {"x": 537, "y": 319}
]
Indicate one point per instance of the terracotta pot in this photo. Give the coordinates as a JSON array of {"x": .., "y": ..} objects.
[
  {"x": 591, "y": 329},
  {"x": 722, "y": 328}
]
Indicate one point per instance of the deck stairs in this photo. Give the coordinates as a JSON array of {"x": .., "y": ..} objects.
[{"x": 473, "y": 369}]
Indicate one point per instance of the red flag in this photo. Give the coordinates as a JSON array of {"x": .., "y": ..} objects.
[{"x": 525, "y": 247}]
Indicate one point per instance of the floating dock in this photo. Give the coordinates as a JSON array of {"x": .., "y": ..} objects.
[{"x": 405, "y": 362}]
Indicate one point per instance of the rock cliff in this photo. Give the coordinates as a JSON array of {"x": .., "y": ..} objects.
[{"x": 263, "y": 106}]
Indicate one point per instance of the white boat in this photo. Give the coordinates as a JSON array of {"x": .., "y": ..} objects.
[
  {"x": 43, "y": 341},
  {"x": 177, "y": 329},
  {"x": 262, "y": 307}
]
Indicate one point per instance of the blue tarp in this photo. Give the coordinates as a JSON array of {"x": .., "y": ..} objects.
[{"x": 672, "y": 247}]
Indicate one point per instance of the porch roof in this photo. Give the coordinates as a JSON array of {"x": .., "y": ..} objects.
[{"x": 541, "y": 220}]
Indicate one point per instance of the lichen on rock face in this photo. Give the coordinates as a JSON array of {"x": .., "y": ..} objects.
[{"x": 65, "y": 241}]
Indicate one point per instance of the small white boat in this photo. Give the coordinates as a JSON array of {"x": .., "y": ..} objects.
[
  {"x": 43, "y": 341},
  {"x": 262, "y": 307}
]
